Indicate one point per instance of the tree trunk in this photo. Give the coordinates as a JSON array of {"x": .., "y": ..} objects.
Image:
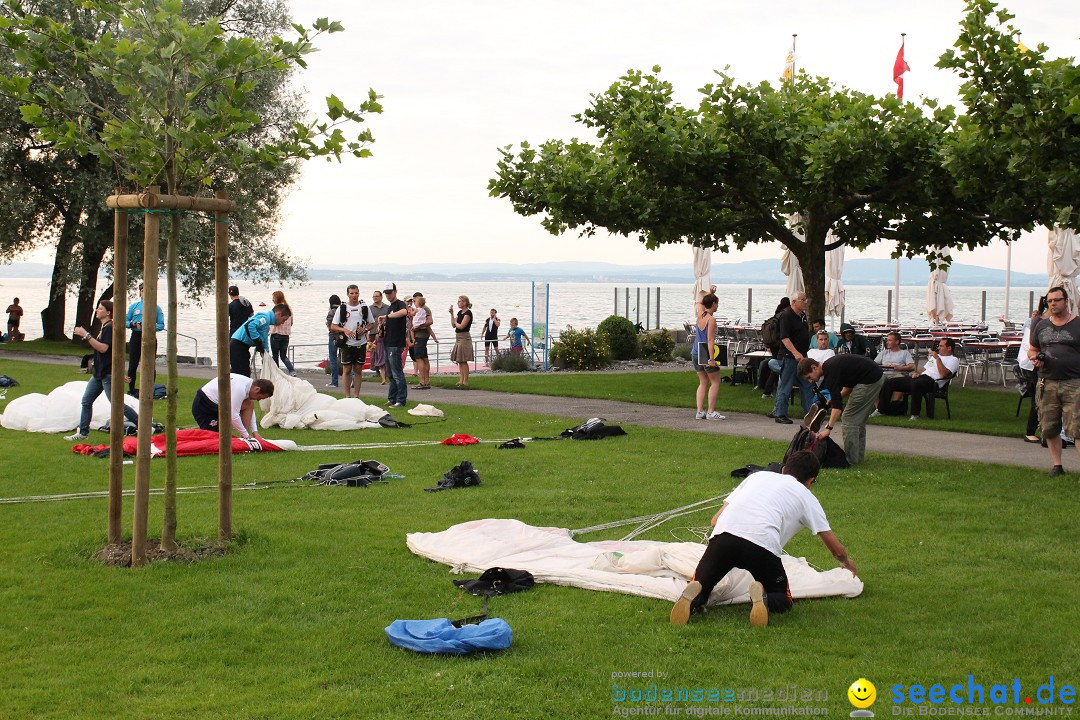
[
  {"x": 812, "y": 259},
  {"x": 168, "y": 529},
  {"x": 52, "y": 316},
  {"x": 92, "y": 256}
]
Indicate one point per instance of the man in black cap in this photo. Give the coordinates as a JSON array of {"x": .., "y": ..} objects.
[
  {"x": 394, "y": 340},
  {"x": 853, "y": 382}
]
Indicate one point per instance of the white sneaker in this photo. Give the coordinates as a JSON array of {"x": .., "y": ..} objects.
[
  {"x": 700, "y": 415},
  {"x": 77, "y": 437},
  {"x": 714, "y": 416},
  {"x": 875, "y": 414},
  {"x": 913, "y": 417}
]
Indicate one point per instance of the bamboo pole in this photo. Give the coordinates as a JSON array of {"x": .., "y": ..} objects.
[
  {"x": 146, "y": 388},
  {"x": 116, "y": 397},
  {"x": 153, "y": 201},
  {"x": 221, "y": 302}
]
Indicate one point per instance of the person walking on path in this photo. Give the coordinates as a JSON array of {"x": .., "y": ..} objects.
[
  {"x": 1055, "y": 353},
  {"x": 331, "y": 346},
  {"x": 708, "y": 371},
  {"x": 794, "y": 343},
  {"x": 491, "y": 335},
  {"x": 1027, "y": 371},
  {"x": 14, "y": 319},
  {"x": 376, "y": 345},
  {"x": 254, "y": 333},
  {"x": 101, "y": 379},
  {"x": 354, "y": 320},
  {"x": 462, "y": 353},
  {"x": 749, "y": 532},
  {"x": 134, "y": 322},
  {"x": 279, "y": 336},
  {"x": 853, "y": 383},
  {"x": 394, "y": 338}
]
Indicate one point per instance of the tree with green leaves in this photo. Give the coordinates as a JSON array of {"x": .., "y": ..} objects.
[
  {"x": 728, "y": 173},
  {"x": 186, "y": 104},
  {"x": 1018, "y": 145}
]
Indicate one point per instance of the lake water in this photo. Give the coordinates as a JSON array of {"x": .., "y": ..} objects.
[{"x": 579, "y": 305}]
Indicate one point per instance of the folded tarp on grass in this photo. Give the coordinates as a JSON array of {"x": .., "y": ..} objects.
[
  {"x": 58, "y": 411},
  {"x": 636, "y": 567},
  {"x": 296, "y": 404}
]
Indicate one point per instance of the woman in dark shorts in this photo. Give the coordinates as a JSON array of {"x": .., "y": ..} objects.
[{"x": 707, "y": 370}]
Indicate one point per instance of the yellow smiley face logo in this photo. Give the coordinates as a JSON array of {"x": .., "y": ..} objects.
[{"x": 862, "y": 693}]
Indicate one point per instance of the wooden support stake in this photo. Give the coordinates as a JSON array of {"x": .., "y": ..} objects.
[
  {"x": 221, "y": 302},
  {"x": 116, "y": 397},
  {"x": 151, "y": 244}
]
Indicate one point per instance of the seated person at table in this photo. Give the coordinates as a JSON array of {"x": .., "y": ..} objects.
[
  {"x": 819, "y": 326},
  {"x": 892, "y": 358},
  {"x": 940, "y": 367},
  {"x": 850, "y": 342},
  {"x": 821, "y": 350}
]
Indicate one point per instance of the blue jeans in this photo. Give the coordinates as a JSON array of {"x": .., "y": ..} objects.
[
  {"x": 395, "y": 371},
  {"x": 788, "y": 378},
  {"x": 94, "y": 388},
  {"x": 332, "y": 356}
]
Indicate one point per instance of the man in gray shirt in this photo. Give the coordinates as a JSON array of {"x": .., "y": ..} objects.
[{"x": 1055, "y": 353}]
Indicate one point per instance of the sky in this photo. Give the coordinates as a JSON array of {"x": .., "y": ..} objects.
[{"x": 461, "y": 79}]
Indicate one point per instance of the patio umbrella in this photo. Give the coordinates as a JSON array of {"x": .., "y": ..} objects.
[
  {"x": 834, "y": 283},
  {"x": 789, "y": 265},
  {"x": 939, "y": 304},
  {"x": 702, "y": 269},
  {"x": 1063, "y": 261}
]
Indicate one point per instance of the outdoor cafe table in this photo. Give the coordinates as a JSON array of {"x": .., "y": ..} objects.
[{"x": 989, "y": 347}]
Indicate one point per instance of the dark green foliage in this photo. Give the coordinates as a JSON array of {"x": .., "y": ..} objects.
[
  {"x": 657, "y": 346},
  {"x": 621, "y": 337},
  {"x": 580, "y": 350},
  {"x": 510, "y": 362}
]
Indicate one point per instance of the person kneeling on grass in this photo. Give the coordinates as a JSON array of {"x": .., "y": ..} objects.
[
  {"x": 750, "y": 530},
  {"x": 244, "y": 393}
]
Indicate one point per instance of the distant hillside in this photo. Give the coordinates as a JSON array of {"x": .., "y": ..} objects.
[{"x": 750, "y": 272}]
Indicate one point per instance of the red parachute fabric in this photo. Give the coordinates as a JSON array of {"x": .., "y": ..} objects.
[
  {"x": 198, "y": 442},
  {"x": 460, "y": 439}
]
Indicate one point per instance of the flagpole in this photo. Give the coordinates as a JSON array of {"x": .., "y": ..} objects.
[
  {"x": 1008, "y": 276},
  {"x": 793, "y": 36}
]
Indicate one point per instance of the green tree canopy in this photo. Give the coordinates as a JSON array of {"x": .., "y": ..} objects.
[{"x": 729, "y": 172}]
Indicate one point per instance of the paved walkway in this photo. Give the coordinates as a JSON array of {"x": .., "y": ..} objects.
[{"x": 912, "y": 440}]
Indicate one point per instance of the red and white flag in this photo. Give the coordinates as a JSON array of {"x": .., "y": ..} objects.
[{"x": 898, "y": 69}]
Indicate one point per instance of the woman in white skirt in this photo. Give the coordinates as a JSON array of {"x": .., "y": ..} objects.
[{"x": 462, "y": 353}]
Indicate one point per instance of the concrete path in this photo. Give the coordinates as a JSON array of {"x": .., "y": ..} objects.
[{"x": 949, "y": 446}]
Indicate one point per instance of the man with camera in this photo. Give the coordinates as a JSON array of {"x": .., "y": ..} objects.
[{"x": 1055, "y": 353}]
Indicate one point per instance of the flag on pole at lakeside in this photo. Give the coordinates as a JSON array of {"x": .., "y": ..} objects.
[
  {"x": 789, "y": 64},
  {"x": 898, "y": 69}
]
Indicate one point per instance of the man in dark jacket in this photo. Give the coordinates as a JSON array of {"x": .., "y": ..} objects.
[
  {"x": 853, "y": 382},
  {"x": 794, "y": 342},
  {"x": 851, "y": 342}
]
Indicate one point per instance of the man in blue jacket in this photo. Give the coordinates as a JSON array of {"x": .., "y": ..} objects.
[
  {"x": 134, "y": 322},
  {"x": 254, "y": 333}
]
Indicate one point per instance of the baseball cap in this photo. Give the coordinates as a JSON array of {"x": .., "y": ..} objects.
[{"x": 390, "y": 287}]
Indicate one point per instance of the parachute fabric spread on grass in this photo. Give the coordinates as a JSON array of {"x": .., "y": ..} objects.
[
  {"x": 205, "y": 442},
  {"x": 635, "y": 567},
  {"x": 296, "y": 404},
  {"x": 58, "y": 411}
]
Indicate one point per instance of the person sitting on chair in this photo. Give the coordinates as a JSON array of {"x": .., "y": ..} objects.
[{"x": 941, "y": 366}]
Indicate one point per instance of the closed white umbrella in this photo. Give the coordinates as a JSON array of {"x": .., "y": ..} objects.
[
  {"x": 1063, "y": 261},
  {"x": 702, "y": 270},
  {"x": 939, "y": 304},
  {"x": 834, "y": 281},
  {"x": 789, "y": 265}
]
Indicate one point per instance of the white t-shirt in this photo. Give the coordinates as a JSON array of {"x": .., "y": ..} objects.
[
  {"x": 768, "y": 509},
  {"x": 239, "y": 387},
  {"x": 355, "y": 316},
  {"x": 820, "y": 355},
  {"x": 951, "y": 363}
]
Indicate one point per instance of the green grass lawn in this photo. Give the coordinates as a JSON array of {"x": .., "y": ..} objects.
[
  {"x": 974, "y": 410},
  {"x": 46, "y": 347},
  {"x": 967, "y": 570}
]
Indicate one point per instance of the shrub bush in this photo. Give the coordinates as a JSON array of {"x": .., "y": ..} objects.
[
  {"x": 682, "y": 350},
  {"x": 621, "y": 337},
  {"x": 510, "y": 362},
  {"x": 580, "y": 350},
  {"x": 656, "y": 345}
]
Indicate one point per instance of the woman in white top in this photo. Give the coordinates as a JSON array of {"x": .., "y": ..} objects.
[{"x": 279, "y": 336}]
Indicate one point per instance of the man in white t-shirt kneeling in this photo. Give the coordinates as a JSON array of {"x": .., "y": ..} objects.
[{"x": 749, "y": 532}]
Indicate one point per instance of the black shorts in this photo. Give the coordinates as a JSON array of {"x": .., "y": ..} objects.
[
  {"x": 205, "y": 412},
  {"x": 491, "y": 343},
  {"x": 351, "y": 355},
  {"x": 419, "y": 349}
]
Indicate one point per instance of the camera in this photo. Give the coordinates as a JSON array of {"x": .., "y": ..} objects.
[{"x": 1041, "y": 357}]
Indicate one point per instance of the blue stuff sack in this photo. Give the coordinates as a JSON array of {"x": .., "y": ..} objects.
[{"x": 440, "y": 636}]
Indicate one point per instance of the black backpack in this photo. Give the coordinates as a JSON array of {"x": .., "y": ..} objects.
[
  {"x": 770, "y": 331},
  {"x": 828, "y": 453}
]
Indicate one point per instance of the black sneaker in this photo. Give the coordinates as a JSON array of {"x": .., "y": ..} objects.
[
  {"x": 784, "y": 420},
  {"x": 680, "y": 612},
  {"x": 1057, "y": 470}
]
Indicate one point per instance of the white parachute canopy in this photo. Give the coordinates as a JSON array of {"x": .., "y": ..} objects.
[
  {"x": 58, "y": 411},
  {"x": 636, "y": 567},
  {"x": 296, "y": 404}
]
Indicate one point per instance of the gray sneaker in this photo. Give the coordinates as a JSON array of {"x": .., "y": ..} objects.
[
  {"x": 700, "y": 415},
  {"x": 876, "y": 413},
  {"x": 77, "y": 437}
]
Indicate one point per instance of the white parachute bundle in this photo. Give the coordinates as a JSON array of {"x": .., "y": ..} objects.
[{"x": 296, "y": 404}]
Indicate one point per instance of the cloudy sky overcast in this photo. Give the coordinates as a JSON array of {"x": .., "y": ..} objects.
[{"x": 461, "y": 79}]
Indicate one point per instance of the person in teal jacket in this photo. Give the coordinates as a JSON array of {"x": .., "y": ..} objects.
[
  {"x": 134, "y": 322},
  {"x": 254, "y": 333}
]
